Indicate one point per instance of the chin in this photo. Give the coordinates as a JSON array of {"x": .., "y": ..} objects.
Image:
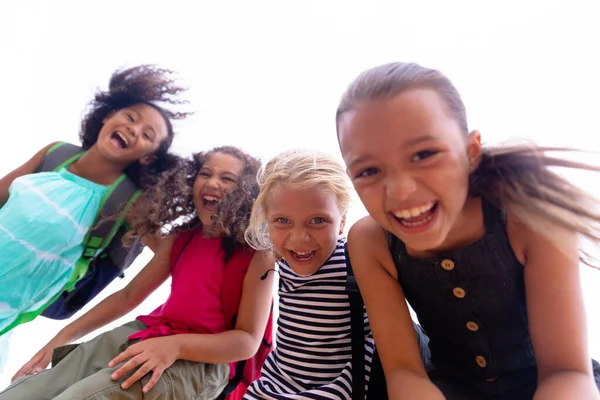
[{"x": 304, "y": 270}]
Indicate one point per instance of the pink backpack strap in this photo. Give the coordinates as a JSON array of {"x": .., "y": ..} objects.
[{"x": 233, "y": 282}]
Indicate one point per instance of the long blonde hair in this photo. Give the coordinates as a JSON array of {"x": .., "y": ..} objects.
[
  {"x": 516, "y": 178},
  {"x": 298, "y": 169}
]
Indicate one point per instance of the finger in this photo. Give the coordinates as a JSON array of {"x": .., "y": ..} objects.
[
  {"x": 156, "y": 374},
  {"x": 131, "y": 352},
  {"x": 129, "y": 366},
  {"x": 25, "y": 369},
  {"x": 139, "y": 374}
]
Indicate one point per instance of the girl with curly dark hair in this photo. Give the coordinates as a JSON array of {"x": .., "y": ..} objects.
[
  {"x": 186, "y": 348},
  {"x": 44, "y": 217}
]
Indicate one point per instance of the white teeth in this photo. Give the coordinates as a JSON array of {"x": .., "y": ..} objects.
[
  {"x": 414, "y": 211},
  {"x": 303, "y": 253},
  {"x": 123, "y": 137},
  {"x": 211, "y": 198}
]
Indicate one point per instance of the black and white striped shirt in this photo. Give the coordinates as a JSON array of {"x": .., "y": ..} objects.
[{"x": 312, "y": 359}]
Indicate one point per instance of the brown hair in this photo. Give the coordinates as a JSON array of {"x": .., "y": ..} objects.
[{"x": 516, "y": 177}]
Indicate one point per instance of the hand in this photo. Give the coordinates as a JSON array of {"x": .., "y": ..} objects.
[
  {"x": 40, "y": 361},
  {"x": 154, "y": 355}
]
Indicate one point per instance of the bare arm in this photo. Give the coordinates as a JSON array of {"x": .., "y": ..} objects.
[
  {"x": 28, "y": 168},
  {"x": 108, "y": 310},
  {"x": 388, "y": 313},
  {"x": 126, "y": 299},
  {"x": 556, "y": 313},
  {"x": 242, "y": 342}
]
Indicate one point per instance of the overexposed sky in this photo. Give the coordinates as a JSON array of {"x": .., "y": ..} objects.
[{"x": 267, "y": 75}]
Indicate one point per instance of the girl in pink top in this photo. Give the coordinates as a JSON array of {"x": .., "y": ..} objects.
[{"x": 183, "y": 349}]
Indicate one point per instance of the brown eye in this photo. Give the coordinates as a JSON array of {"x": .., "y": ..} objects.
[{"x": 421, "y": 155}]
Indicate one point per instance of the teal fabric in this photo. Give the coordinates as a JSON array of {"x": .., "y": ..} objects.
[{"x": 42, "y": 226}]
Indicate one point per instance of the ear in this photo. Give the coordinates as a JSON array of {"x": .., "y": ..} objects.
[
  {"x": 148, "y": 160},
  {"x": 474, "y": 150},
  {"x": 342, "y": 224},
  {"x": 108, "y": 116}
]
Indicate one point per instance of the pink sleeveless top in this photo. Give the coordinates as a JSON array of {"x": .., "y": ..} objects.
[{"x": 195, "y": 302}]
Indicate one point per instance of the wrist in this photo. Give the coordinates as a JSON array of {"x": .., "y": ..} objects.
[{"x": 177, "y": 345}]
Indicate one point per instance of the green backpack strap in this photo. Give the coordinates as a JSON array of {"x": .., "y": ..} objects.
[
  {"x": 115, "y": 205},
  {"x": 121, "y": 195},
  {"x": 113, "y": 209}
]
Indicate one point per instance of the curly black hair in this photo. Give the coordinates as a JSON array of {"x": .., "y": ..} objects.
[
  {"x": 143, "y": 84},
  {"x": 170, "y": 203}
]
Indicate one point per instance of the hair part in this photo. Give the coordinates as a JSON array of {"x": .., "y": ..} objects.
[
  {"x": 298, "y": 169},
  {"x": 517, "y": 178}
]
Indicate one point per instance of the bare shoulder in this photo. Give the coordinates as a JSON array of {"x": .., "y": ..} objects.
[{"x": 367, "y": 242}]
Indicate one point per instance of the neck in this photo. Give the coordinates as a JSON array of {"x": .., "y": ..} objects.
[{"x": 94, "y": 167}]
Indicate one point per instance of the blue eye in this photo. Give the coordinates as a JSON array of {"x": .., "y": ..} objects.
[
  {"x": 318, "y": 220},
  {"x": 282, "y": 220}
]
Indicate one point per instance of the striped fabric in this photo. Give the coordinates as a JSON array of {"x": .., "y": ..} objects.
[{"x": 313, "y": 353}]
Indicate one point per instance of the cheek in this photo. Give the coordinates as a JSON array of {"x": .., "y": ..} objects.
[
  {"x": 277, "y": 238},
  {"x": 371, "y": 197}
]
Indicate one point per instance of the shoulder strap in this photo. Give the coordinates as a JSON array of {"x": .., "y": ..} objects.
[
  {"x": 118, "y": 199},
  {"x": 58, "y": 156},
  {"x": 233, "y": 283},
  {"x": 357, "y": 321}
]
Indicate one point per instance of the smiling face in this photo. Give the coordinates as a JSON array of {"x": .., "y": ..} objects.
[
  {"x": 410, "y": 163},
  {"x": 304, "y": 226},
  {"x": 218, "y": 176},
  {"x": 132, "y": 134}
]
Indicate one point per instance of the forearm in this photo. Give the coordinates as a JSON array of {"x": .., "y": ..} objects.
[
  {"x": 221, "y": 348},
  {"x": 567, "y": 385},
  {"x": 407, "y": 385},
  {"x": 108, "y": 310}
]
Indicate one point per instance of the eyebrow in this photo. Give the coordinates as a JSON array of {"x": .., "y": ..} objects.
[
  {"x": 410, "y": 143},
  {"x": 204, "y": 167}
]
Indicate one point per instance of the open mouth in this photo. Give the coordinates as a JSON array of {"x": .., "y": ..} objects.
[
  {"x": 210, "y": 202},
  {"x": 302, "y": 256},
  {"x": 416, "y": 216},
  {"x": 118, "y": 140}
]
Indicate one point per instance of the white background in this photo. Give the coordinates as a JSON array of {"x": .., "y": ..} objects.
[{"x": 267, "y": 75}]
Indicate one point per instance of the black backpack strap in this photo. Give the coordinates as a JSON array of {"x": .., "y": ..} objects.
[
  {"x": 60, "y": 155},
  {"x": 357, "y": 324}
]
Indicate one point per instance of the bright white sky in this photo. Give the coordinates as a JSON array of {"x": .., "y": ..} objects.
[{"x": 266, "y": 75}]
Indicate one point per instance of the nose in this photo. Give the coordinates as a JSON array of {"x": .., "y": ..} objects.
[
  {"x": 299, "y": 235},
  {"x": 134, "y": 129},
  {"x": 400, "y": 186},
  {"x": 213, "y": 182}
]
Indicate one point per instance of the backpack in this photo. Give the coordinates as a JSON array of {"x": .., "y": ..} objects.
[
  {"x": 104, "y": 257},
  {"x": 246, "y": 371},
  {"x": 377, "y": 384}
]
